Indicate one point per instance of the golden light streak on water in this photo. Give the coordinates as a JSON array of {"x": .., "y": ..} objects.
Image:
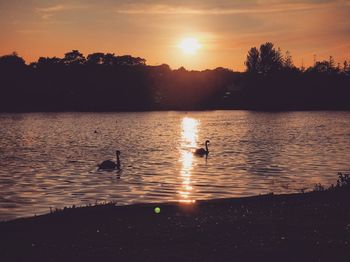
[{"x": 189, "y": 136}]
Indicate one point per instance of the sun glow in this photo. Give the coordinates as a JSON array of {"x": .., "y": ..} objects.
[{"x": 189, "y": 45}]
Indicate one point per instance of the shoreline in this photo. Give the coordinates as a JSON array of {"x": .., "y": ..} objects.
[{"x": 311, "y": 226}]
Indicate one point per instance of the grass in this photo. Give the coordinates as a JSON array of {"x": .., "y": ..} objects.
[{"x": 343, "y": 184}]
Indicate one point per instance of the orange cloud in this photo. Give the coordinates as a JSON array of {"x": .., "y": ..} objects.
[{"x": 168, "y": 9}]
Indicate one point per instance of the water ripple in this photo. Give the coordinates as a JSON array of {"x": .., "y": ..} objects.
[{"x": 50, "y": 160}]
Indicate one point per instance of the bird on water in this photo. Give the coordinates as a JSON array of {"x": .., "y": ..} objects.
[
  {"x": 202, "y": 151},
  {"x": 109, "y": 164}
]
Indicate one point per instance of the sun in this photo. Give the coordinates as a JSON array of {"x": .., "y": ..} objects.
[{"x": 189, "y": 45}]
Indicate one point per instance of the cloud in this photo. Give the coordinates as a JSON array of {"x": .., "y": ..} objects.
[
  {"x": 49, "y": 11},
  {"x": 248, "y": 7}
]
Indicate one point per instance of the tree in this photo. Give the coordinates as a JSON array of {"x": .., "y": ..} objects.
[
  {"x": 270, "y": 58},
  {"x": 128, "y": 60},
  {"x": 288, "y": 61},
  {"x": 253, "y": 60},
  {"x": 321, "y": 67},
  {"x": 12, "y": 60},
  {"x": 346, "y": 68},
  {"x": 48, "y": 61},
  {"x": 95, "y": 59},
  {"x": 110, "y": 59},
  {"x": 265, "y": 61},
  {"x": 73, "y": 57},
  {"x": 331, "y": 64}
]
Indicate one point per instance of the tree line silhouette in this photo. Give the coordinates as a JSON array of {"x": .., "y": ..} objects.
[{"x": 106, "y": 82}]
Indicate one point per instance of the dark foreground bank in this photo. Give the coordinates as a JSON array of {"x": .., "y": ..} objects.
[{"x": 299, "y": 227}]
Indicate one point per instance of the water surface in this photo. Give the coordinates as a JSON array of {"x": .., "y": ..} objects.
[{"x": 49, "y": 159}]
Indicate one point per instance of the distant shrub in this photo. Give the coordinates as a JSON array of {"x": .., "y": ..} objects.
[
  {"x": 318, "y": 188},
  {"x": 343, "y": 181}
]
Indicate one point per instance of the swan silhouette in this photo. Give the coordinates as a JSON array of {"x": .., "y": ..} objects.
[
  {"x": 202, "y": 151},
  {"x": 109, "y": 165}
]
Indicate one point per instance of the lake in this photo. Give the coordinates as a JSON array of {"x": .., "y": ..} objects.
[{"x": 48, "y": 160}]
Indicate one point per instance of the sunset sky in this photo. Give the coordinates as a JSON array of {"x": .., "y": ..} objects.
[{"x": 155, "y": 30}]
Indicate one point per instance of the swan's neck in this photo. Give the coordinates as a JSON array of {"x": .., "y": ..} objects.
[
  {"x": 118, "y": 161},
  {"x": 206, "y": 147}
]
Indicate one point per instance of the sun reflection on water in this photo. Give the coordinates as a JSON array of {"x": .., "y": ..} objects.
[{"x": 189, "y": 136}]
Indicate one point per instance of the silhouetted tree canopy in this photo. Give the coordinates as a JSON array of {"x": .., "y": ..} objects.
[
  {"x": 12, "y": 61},
  {"x": 96, "y": 59},
  {"x": 73, "y": 58},
  {"x": 48, "y": 61},
  {"x": 266, "y": 60},
  {"x": 253, "y": 60},
  {"x": 288, "y": 61},
  {"x": 107, "y": 82}
]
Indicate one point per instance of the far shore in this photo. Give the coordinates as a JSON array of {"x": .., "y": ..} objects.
[{"x": 295, "y": 227}]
